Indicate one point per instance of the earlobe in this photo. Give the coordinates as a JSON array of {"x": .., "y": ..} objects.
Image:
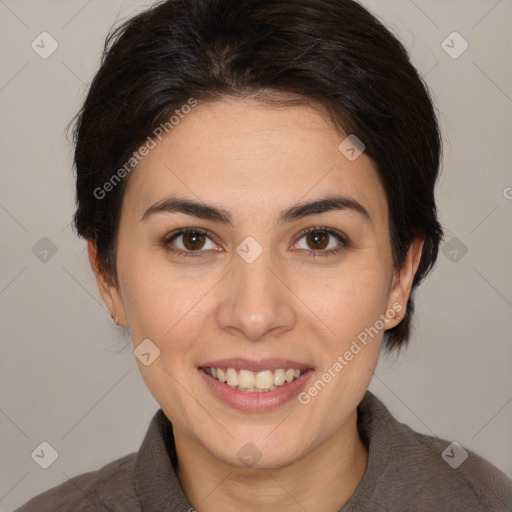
[{"x": 107, "y": 288}]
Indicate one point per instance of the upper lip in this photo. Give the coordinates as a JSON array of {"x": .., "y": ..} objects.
[{"x": 239, "y": 363}]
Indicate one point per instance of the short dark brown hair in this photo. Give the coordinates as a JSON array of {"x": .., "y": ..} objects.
[{"x": 332, "y": 53}]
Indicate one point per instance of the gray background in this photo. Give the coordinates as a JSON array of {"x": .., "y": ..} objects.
[{"x": 68, "y": 375}]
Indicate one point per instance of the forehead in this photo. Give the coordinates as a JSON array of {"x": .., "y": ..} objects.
[{"x": 254, "y": 159}]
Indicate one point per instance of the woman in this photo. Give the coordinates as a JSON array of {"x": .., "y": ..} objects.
[{"x": 255, "y": 180}]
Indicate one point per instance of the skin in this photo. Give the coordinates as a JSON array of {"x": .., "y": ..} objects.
[{"x": 255, "y": 161}]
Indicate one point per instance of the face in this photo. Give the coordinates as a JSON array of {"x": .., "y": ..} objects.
[{"x": 259, "y": 281}]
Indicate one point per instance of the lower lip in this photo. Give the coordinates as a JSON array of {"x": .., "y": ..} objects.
[{"x": 256, "y": 401}]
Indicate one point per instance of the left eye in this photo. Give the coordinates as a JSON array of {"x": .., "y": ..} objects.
[{"x": 321, "y": 240}]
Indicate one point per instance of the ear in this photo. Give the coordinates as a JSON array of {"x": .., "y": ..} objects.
[
  {"x": 401, "y": 285},
  {"x": 109, "y": 291}
]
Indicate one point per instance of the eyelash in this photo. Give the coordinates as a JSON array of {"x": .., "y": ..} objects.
[{"x": 314, "y": 254}]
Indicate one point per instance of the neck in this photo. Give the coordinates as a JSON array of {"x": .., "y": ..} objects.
[{"x": 323, "y": 480}]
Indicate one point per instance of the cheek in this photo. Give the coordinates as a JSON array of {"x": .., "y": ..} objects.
[
  {"x": 349, "y": 309},
  {"x": 169, "y": 311},
  {"x": 161, "y": 305},
  {"x": 348, "y": 300}
]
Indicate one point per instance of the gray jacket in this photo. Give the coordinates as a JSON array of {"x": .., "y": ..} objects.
[{"x": 406, "y": 471}]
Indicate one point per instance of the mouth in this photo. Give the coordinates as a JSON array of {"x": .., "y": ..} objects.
[
  {"x": 263, "y": 381},
  {"x": 252, "y": 386}
]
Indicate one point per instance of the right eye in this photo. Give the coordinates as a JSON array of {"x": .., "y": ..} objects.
[{"x": 188, "y": 241}]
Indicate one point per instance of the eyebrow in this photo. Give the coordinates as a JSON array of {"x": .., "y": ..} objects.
[{"x": 299, "y": 211}]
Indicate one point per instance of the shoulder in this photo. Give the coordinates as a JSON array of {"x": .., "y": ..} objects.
[
  {"x": 457, "y": 475},
  {"x": 110, "y": 488},
  {"x": 406, "y": 468}
]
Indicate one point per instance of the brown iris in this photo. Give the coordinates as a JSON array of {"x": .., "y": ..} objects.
[
  {"x": 193, "y": 241},
  {"x": 317, "y": 240}
]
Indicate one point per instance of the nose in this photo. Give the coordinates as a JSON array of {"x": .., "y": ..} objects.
[{"x": 256, "y": 303}]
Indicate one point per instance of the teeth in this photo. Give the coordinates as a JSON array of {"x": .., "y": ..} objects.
[
  {"x": 232, "y": 377},
  {"x": 279, "y": 377},
  {"x": 246, "y": 380}
]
